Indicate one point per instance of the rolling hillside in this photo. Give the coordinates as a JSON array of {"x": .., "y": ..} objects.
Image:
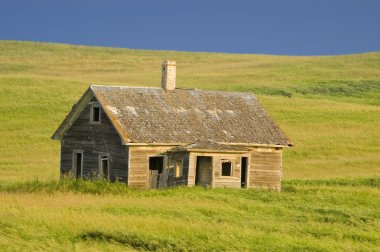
[{"x": 328, "y": 106}]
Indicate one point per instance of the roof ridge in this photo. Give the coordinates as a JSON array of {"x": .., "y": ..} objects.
[
  {"x": 177, "y": 88},
  {"x": 113, "y": 86}
]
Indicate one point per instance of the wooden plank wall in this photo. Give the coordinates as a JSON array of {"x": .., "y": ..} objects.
[
  {"x": 224, "y": 181},
  {"x": 266, "y": 168},
  {"x": 218, "y": 180},
  {"x": 94, "y": 139},
  {"x": 139, "y": 163}
]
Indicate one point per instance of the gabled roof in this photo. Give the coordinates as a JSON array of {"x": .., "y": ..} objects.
[{"x": 183, "y": 116}]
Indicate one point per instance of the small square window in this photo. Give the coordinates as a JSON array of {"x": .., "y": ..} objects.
[
  {"x": 95, "y": 114},
  {"x": 226, "y": 167}
]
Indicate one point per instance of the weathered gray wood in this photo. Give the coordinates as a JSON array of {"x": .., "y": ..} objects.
[
  {"x": 94, "y": 140},
  {"x": 204, "y": 171},
  {"x": 153, "y": 179}
]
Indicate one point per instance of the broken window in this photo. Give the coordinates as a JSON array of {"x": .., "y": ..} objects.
[
  {"x": 226, "y": 167},
  {"x": 178, "y": 168},
  {"x": 95, "y": 113},
  {"x": 156, "y": 164},
  {"x": 104, "y": 166}
]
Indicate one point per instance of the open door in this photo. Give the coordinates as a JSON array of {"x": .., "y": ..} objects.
[
  {"x": 104, "y": 166},
  {"x": 244, "y": 167},
  {"x": 203, "y": 171},
  {"x": 156, "y": 166}
]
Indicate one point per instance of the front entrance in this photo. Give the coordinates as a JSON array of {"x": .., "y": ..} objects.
[
  {"x": 244, "y": 167},
  {"x": 156, "y": 166},
  {"x": 203, "y": 171}
]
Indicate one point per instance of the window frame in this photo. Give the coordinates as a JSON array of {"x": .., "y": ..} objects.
[
  {"x": 180, "y": 169},
  {"x": 100, "y": 159},
  {"x": 95, "y": 105},
  {"x": 226, "y": 160}
]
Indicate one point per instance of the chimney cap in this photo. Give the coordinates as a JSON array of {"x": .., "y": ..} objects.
[{"x": 169, "y": 62}]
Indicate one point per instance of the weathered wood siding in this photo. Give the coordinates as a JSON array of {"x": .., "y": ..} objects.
[
  {"x": 227, "y": 181},
  {"x": 191, "y": 170},
  {"x": 139, "y": 163},
  {"x": 172, "y": 179},
  {"x": 266, "y": 168},
  {"x": 94, "y": 139},
  {"x": 217, "y": 179}
]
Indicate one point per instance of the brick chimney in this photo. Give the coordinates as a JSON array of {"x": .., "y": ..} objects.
[{"x": 168, "y": 75}]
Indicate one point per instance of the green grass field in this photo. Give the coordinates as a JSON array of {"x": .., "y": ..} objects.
[{"x": 328, "y": 106}]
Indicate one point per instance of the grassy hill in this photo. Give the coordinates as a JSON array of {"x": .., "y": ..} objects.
[{"x": 328, "y": 106}]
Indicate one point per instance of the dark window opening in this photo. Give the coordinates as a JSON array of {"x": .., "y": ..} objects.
[
  {"x": 243, "y": 179},
  {"x": 178, "y": 168},
  {"x": 95, "y": 114},
  {"x": 226, "y": 168},
  {"x": 156, "y": 164}
]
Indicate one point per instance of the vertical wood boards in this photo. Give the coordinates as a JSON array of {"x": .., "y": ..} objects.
[
  {"x": 191, "y": 169},
  {"x": 204, "y": 171},
  {"x": 153, "y": 179}
]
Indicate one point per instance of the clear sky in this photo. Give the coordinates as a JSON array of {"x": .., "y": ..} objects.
[{"x": 293, "y": 27}]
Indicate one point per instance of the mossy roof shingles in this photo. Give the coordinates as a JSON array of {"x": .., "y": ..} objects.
[{"x": 152, "y": 115}]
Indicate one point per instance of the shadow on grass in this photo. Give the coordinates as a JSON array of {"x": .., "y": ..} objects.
[{"x": 133, "y": 240}]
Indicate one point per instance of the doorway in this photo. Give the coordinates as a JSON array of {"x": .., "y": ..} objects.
[
  {"x": 244, "y": 167},
  {"x": 104, "y": 166},
  {"x": 203, "y": 171},
  {"x": 156, "y": 166},
  {"x": 77, "y": 163}
]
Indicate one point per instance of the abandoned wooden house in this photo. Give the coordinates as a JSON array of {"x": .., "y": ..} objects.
[{"x": 161, "y": 137}]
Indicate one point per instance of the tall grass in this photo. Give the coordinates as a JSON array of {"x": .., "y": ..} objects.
[
  {"x": 104, "y": 187},
  {"x": 331, "y": 215}
]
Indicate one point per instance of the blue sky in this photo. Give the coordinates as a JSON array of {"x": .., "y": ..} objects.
[{"x": 292, "y": 27}]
